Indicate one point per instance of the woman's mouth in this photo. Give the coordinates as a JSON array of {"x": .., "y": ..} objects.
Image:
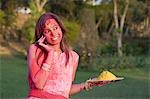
[{"x": 55, "y": 38}]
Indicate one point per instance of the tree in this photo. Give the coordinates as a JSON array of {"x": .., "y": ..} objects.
[
  {"x": 8, "y": 18},
  {"x": 119, "y": 25},
  {"x": 40, "y": 4},
  {"x": 104, "y": 19},
  {"x": 138, "y": 19},
  {"x": 65, "y": 8},
  {"x": 89, "y": 36},
  {"x": 37, "y": 8}
]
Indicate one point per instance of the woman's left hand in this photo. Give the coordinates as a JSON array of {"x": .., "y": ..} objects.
[
  {"x": 97, "y": 83},
  {"x": 87, "y": 86}
]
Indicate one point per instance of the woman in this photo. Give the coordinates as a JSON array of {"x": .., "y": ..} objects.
[{"x": 52, "y": 63}]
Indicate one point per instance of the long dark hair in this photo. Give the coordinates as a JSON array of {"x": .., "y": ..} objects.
[{"x": 39, "y": 32}]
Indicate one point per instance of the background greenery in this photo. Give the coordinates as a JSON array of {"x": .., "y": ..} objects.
[
  {"x": 135, "y": 85},
  {"x": 91, "y": 32}
]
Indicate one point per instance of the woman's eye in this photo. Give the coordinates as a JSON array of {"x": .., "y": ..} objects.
[
  {"x": 47, "y": 31},
  {"x": 55, "y": 28}
]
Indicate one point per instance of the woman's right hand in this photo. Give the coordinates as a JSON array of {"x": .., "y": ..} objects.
[
  {"x": 47, "y": 48},
  {"x": 41, "y": 43}
]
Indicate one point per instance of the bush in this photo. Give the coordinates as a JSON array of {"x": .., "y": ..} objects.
[
  {"x": 114, "y": 62},
  {"x": 2, "y": 15},
  {"x": 28, "y": 30},
  {"x": 134, "y": 48},
  {"x": 73, "y": 30},
  {"x": 106, "y": 49}
]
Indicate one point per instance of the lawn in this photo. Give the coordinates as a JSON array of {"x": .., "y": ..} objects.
[{"x": 136, "y": 84}]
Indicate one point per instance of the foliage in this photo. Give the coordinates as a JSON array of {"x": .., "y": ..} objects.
[
  {"x": 2, "y": 16},
  {"x": 73, "y": 30},
  {"x": 28, "y": 30},
  {"x": 11, "y": 5},
  {"x": 63, "y": 7},
  {"x": 104, "y": 14},
  {"x": 137, "y": 11},
  {"x": 135, "y": 48},
  {"x": 35, "y": 13},
  {"x": 106, "y": 49},
  {"x": 135, "y": 55},
  {"x": 10, "y": 19},
  {"x": 118, "y": 30},
  {"x": 132, "y": 47},
  {"x": 29, "y": 27},
  {"x": 115, "y": 62}
]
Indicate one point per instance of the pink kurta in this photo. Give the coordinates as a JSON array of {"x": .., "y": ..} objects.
[{"x": 60, "y": 76}]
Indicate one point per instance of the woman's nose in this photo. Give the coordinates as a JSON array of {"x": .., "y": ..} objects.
[{"x": 53, "y": 33}]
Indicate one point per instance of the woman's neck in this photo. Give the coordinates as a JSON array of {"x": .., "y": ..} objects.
[{"x": 57, "y": 48}]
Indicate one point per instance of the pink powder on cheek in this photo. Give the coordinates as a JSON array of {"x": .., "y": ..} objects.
[{"x": 51, "y": 33}]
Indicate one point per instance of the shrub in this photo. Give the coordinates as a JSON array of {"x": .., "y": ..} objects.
[
  {"x": 28, "y": 30},
  {"x": 106, "y": 49},
  {"x": 73, "y": 30},
  {"x": 133, "y": 48},
  {"x": 2, "y": 15},
  {"x": 114, "y": 62}
]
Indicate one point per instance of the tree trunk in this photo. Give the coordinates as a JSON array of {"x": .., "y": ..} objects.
[
  {"x": 89, "y": 35},
  {"x": 98, "y": 23},
  {"x": 147, "y": 25},
  {"x": 119, "y": 41},
  {"x": 111, "y": 28},
  {"x": 115, "y": 15},
  {"x": 40, "y": 4},
  {"x": 119, "y": 27}
]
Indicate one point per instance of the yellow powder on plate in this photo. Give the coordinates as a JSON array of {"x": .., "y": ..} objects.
[{"x": 106, "y": 75}]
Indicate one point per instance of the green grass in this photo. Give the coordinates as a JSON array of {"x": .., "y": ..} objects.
[
  {"x": 136, "y": 84},
  {"x": 14, "y": 78}
]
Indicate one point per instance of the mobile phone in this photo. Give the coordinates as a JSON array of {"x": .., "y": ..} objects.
[{"x": 45, "y": 42}]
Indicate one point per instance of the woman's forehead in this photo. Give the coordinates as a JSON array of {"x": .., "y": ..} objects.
[{"x": 50, "y": 22}]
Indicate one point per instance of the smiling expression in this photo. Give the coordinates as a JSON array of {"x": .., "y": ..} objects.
[{"x": 52, "y": 32}]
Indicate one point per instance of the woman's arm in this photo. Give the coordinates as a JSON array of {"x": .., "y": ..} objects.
[
  {"x": 38, "y": 74},
  {"x": 76, "y": 88}
]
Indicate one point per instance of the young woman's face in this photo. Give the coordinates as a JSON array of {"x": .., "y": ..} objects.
[{"x": 52, "y": 32}]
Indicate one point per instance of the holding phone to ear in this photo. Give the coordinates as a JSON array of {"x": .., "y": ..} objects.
[{"x": 45, "y": 42}]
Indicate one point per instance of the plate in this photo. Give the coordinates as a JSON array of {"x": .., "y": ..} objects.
[{"x": 95, "y": 82}]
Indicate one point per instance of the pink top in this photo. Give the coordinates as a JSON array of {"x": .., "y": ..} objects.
[{"x": 60, "y": 76}]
